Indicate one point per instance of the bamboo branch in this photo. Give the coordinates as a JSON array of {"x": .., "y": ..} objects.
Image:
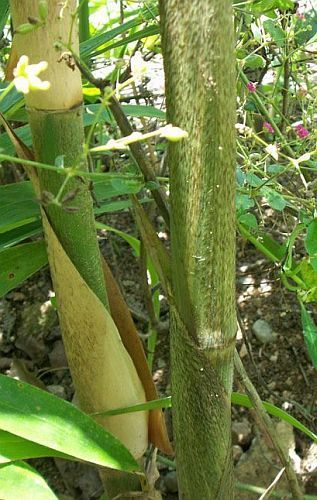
[
  {"x": 126, "y": 129},
  {"x": 268, "y": 426}
]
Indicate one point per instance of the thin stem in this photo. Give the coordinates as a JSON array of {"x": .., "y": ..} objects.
[
  {"x": 6, "y": 91},
  {"x": 267, "y": 424},
  {"x": 265, "y": 113},
  {"x": 73, "y": 171},
  {"x": 126, "y": 129}
]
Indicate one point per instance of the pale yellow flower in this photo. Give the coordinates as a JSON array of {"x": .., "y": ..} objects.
[
  {"x": 25, "y": 76},
  {"x": 138, "y": 67},
  {"x": 173, "y": 134}
]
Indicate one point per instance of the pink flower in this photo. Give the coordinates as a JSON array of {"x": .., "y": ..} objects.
[
  {"x": 251, "y": 87},
  {"x": 268, "y": 127},
  {"x": 300, "y": 15},
  {"x": 301, "y": 131}
]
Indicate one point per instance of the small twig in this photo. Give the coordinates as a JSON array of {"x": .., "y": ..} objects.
[
  {"x": 269, "y": 490},
  {"x": 285, "y": 89},
  {"x": 267, "y": 424}
]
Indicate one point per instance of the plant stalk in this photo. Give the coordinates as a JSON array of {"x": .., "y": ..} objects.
[{"x": 198, "y": 50}]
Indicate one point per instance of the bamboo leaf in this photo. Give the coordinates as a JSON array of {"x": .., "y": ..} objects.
[
  {"x": 237, "y": 399},
  {"x": 146, "y": 111},
  {"x": 88, "y": 48},
  {"x": 16, "y": 235},
  {"x": 4, "y": 12},
  {"x": 20, "y": 480},
  {"x": 38, "y": 416},
  {"x": 138, "y": 35},
  {"x": 14, "y": 447},
  {"x": 20, "y": 262},
  {"x": 137, "y": 111},
  {"x": 18, "y": 205}
]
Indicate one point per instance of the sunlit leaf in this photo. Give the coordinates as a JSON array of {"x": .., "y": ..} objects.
[
  {"x": 20, "y": 480},
  {"x": 38, "y": 416}
]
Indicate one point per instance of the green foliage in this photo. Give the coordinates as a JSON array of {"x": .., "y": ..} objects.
[
  {"x": 40, "y": 417},
  {"x": 19, "y": 479},
  {"x": 20, "y": 262}
]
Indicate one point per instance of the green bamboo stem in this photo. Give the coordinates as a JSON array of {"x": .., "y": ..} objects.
[
  {"x": 197, "y": 43},
  {"x": 60, "y": 134}
]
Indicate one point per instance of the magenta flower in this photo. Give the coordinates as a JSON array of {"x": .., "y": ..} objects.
[
  {"x": 301, "y": 131},
  {"x": 268, "y": 127},
  {"x": 251, "y": 87}
]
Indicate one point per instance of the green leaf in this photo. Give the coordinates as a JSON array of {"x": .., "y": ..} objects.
[
  {"x": 38, "y": 416},
  {"x": 88, "y": 48},
  {"x": 138, "y": 35},
  {"x": 4, "y": 12},
  {"x": 253, "y": 179},
  {"x": 313, "y": 262},
  {"x": 262, "y": 6},
  {"x": 285, "y": 4},
  {"x": 18, "y": 205},
  {"x": 275, "y": 31},
  {"x": 275, "y": 169},
  {"x": 254, "y": 61},
  {"x": 236, "y": 398},
  {"x": 18, "y": 234},
  {"x": 311, "y": 238},
  {"x": 20, "y": 262},
  {"x": 249, "y": 220},
  {"x": 16, "y": 448},
  {"x": 20, "y": 480},
  {"x": 13, "y": 101},
  {"x": 269, "y": 247},
  {"x": 243, "y": 202},
  {"x": 274, "y": 199},
  {"x": 122, "y": 186},
  {"x": 143, "y": 111},
  {"x": 307, "y": 273},
  {"x": 24, "y": 133},
  {"x": 150, "y": 405},
  {"x": 310, "y": 334},
  {"x": 275, "y": 248},
  {"x": 116, "y": 206}
]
